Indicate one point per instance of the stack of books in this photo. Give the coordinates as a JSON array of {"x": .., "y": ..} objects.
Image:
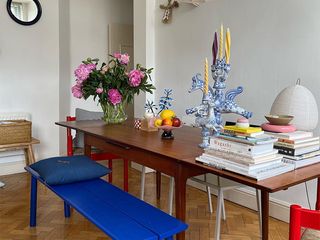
[
  {"x": 246, "y": 151},
  {"x": 299, "y": 148}
]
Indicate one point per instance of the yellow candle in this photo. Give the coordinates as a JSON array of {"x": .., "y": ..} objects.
[
  {"x": 206, "y": 76},
  {"x": 228, "y": 45},
  {"x": 221, "y": 42}
]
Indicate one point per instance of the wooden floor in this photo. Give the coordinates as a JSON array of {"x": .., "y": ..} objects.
[{"x": 241, "y": 224}]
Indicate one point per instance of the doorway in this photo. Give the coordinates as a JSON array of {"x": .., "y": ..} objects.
[{"x": 121, "y": 40}]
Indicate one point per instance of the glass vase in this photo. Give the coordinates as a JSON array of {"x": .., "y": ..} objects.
[{"x": 114, "y": 114}]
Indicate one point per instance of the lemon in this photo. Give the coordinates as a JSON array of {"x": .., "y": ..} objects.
[
  {"x": 158, "y": 122},
  {"x": 167, "y": 113}
]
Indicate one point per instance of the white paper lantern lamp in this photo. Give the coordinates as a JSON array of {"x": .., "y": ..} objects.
[{"x": 299, "y": 102}]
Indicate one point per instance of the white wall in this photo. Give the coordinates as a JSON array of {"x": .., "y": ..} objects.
[
  {"x": 64, "y": 69},
  {"x": 83, "y": 34},
  {"x": 272, "y": 44},
  {"x": 37, "y": 62},
  {"x": 29, "y": 73},
  {"x": 89, "y": 35},
  {"x": 144, "y": 46}
]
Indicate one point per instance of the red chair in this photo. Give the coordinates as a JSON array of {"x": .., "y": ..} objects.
[
  {"x": 301, "y": 217},
  {"x": 99, "y": 157}
]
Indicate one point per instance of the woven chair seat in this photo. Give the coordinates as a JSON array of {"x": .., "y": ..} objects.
[{"x": 310, "y": 234}]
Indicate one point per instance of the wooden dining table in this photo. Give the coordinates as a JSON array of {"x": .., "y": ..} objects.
[{"x": 176, "y": 158}]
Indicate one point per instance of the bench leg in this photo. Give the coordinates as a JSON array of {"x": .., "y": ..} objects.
[
  {"x": 110, "y": 174},
  {"x": 125, "y": 175},
  {"x": 33, "y": 202},
  {"x": 110, "y": 167},
  {"x": 66, "y": 210}
]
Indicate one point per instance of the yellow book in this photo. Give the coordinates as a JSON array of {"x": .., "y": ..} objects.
[{"x": 242, "y": 130}]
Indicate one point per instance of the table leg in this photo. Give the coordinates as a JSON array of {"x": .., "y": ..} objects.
[
  {"x": 318, "y": 195},
  {"x": 158, "y": 183},
  {"x": 180, "y": 196},
  {"x": 125, "y": 175},
  {"x": 87, "y": 148},
  {"x": 265, "y": 214}
]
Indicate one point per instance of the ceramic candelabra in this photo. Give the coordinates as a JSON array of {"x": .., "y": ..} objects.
[{"x": 215, "y": 100}]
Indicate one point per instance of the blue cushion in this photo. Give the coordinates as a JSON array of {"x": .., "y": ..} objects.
[{"x": 62, "y": 170}]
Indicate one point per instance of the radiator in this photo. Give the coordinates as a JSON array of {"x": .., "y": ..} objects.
[
  {"x": 15, "y": 116},
  {"x": 12, "y": 161}
]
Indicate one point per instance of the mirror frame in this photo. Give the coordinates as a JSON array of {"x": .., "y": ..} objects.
[{"x": 23, "y": 22}]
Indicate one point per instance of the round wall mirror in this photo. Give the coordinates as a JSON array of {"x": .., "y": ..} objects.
[{"x": 25, "y": 12}]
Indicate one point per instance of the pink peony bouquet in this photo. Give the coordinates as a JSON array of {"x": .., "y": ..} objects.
[{"x": 112, "y": 83}]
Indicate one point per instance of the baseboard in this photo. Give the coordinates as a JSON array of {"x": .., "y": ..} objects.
[
  {"x": 12, "y": 167},
  {"x": 247, "y": 198}
]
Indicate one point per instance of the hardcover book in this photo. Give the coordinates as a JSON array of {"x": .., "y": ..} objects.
[
  {"x": 298, "y": 141},
  {"x": 297, "y": 151},
  {"x": 246, "y": 167},
  {"x": 304, "y": 156},
  {"x": 298, "y": 145},
  {"x": 237, "y": 133},
  {"x": 239, "y": 148},
  {"x": 302, "y": 163},
  {"x": 261, "y": 139},
  {"x": 243, "y": 130},
  {"x": 259, "y": 174},
  {"x": 292, "y": 135},
  {"x": 261, "y": 158}
]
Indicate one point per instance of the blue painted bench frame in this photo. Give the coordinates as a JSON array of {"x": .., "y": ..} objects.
[{"x": 117, "y": 213}]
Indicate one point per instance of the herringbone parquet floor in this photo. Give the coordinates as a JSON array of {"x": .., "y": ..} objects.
[{"x": 241, "y": 224}]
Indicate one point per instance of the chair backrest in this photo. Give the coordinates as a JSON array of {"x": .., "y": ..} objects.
[{"x": 301, "y": 217}]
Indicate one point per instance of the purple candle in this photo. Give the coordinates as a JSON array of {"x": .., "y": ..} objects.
[{"x": 215, "y": 48}]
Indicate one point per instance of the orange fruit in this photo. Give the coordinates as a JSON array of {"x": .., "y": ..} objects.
[{"x": 167, "y": 121}]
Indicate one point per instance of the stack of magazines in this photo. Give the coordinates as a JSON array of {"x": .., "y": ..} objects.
[
  {"x": 299, "y": 148},
  {"x": 246, "y": 151}
]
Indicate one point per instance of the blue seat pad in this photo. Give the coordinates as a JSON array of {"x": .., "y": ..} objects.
[{"x": 98, "y": 200}]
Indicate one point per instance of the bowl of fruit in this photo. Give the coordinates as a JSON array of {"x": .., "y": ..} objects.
[{"x": 167, "y": 122}]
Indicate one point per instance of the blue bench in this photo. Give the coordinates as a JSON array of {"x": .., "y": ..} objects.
[{"x": 117, "y": 213}]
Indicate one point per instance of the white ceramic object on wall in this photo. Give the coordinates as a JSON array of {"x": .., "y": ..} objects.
[
  {"x": 194, "y": 2},
  {"x": 299, "y": 102}
]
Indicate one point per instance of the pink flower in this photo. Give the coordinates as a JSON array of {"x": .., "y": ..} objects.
[
  {"x": 135, "y": 77},
  {"x": 83, "y": 71},
  {"x": 99, "y": 90},
  {"x": 114, "y": 96},
  {"x": 91, "y": 66},
  {"x": 117, "y": 55},
  {"x": 122, "y": 58},
  {"x": 76, "y": 91}
]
